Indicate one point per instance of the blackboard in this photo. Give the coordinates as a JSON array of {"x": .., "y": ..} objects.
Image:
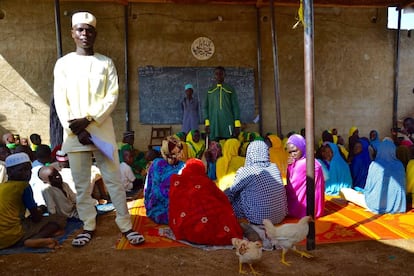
[{"x": 161, "y": 90}]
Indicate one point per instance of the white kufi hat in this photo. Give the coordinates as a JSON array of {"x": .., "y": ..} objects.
[{"x": 83, "y": 18}]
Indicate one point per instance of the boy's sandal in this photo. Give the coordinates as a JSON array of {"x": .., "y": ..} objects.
[
  {"x": 134, "y": 238},
  {"x": 82, "y": 239}
]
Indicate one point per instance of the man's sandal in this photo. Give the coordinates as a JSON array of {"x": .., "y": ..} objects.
[
  {"x": 134, "y": 238},
  {"x": 82, "y": 239}
]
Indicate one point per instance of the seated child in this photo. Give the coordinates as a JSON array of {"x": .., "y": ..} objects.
[
  {"x": 59, "y": 197},
  {"x": 8, "y": 139},
  {"x": 16, "y": 196},
  {"x": 36, "y": 141},
  {"x": 139, "y": 162},
  {"x": 211, "y": 155},
  {"x": 26, "y": 149},
  {"x": 131, "y": 184},
  {"x": 195, "y": 145},
  {"x": 43, "y": 157}
]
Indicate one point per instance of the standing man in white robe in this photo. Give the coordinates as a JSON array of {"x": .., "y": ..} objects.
[{"x": 85, "y": 94}]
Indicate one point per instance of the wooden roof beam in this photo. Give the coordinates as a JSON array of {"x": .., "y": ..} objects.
[
  {"x": 406, "y": 4},
  {"x": 263, "y": 3},
  {"x": 122, "y": 2}
]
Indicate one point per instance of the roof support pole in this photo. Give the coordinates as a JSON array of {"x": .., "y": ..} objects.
[
  {"x": 396, "y": 72},
  {"x": 259, "y": 70},
  {"x": 57, "y": 27},
  {"x": 126, "y": 49},
  {"x": 275, "y": 70},
  {"x": 55, "y": 128},
  {"x": 309, "y": 118}
]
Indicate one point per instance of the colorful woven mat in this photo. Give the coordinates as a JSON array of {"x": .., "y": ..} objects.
[
  {"x": 150, "y": 230},
  {"x": 343, "y": 222}
]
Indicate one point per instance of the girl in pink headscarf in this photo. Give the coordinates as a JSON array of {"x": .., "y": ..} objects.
[{"x": 296, "y": 179}]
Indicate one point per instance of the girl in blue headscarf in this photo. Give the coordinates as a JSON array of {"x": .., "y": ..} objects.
[
  {"x": 385, "y": 185},
  {"x": 336, "y": 170},
  {"x": 360, "y": 163},
  {"x": 374, "y": 139}
]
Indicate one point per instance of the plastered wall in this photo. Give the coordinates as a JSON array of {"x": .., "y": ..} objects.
[{"x": 354, "y": 61}]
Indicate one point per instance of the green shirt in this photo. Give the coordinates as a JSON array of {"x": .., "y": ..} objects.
[{"x": 221, "y": 109}]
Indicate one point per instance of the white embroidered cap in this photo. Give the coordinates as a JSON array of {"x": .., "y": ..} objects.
[{"x": 83, "y": 17}]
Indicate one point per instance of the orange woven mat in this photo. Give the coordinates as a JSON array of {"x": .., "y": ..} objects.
[
  {"x": 150, "y": 230},
  {"x": 343, "y": 222}
]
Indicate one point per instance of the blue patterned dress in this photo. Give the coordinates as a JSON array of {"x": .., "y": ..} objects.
[{"x": 157, "y": 188}]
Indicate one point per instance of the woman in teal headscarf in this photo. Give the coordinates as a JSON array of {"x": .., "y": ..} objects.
[{"x": 336, "y": 169}]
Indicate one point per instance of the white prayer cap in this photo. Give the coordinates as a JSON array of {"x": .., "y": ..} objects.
[
  {"x": 17, "y": 159},
  {"x": 83, "y": 18}
]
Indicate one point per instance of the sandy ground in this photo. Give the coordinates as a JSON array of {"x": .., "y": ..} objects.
[{"x": 100, "y": 257}]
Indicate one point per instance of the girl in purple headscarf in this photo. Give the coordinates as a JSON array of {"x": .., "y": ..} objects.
[{"x": 296, "y": 180}]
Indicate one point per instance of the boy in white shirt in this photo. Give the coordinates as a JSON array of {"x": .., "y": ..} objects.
[
  {"x": 59, "y": 197},
  {"x": 131, "y": 184}
]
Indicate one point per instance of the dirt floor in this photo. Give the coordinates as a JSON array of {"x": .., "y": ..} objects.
[{"x": 100, "y": 257}]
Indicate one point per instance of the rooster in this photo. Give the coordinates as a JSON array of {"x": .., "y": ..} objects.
[
  {"x": 288, "y": 235},
  {"x": 249, "y": 252}
]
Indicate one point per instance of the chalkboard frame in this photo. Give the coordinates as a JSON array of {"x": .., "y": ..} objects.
[{"x": 161, "y": 90}]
